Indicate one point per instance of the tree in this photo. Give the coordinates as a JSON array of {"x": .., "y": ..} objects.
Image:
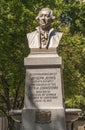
[
  {"x": 12, "y": 52},
  {"x": 73, "y": 44}
]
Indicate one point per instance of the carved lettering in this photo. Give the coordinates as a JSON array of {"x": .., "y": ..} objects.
[{"x": 43, "y": 87}]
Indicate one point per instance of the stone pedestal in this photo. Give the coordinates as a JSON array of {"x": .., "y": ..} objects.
[
  {"x": 43, "y": 104},
  {"x": 72, "y": 115}
]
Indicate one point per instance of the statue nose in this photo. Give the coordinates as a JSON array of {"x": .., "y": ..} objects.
[{"x": 43, "y": 17}]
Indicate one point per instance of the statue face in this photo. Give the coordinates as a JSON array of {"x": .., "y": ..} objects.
[{"x": 44, "y": 18}]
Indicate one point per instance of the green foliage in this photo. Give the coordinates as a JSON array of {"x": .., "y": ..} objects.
[
  {"x": 74, "y": 74},
  {"x": 72, "y": 49}
]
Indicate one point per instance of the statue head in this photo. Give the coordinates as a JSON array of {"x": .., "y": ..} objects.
[{"x": 45, "y": 17}]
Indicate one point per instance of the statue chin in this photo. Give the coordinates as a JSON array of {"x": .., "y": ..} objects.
[{"x": 43, "y": 25}]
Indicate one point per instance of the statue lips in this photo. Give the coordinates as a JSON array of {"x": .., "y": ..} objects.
[{"x": 44, "y": 23}]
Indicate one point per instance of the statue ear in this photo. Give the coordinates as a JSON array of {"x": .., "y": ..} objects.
[
  {"x": 37, "y": 18},
  {"x": 53, "y": 18}
]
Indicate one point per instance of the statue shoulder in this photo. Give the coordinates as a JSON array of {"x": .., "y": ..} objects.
[
  {"x": 58, "y": 35},
  {"x": 30, "y": 35}
]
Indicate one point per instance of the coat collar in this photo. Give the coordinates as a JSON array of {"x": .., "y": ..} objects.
[
  {"x": 50, "y": 33},
  {"x": 38, "y": 30}
]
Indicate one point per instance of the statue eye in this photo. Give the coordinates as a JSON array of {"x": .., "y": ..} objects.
[
  {"x": 47, "y": 15},
  {"x": 41, "y": 15}
]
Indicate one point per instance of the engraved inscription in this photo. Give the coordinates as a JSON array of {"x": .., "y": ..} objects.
[{"x": 43, "y": 87}]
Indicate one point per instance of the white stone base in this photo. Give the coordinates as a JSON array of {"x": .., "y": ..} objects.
[{"x": 55, "y": 122}]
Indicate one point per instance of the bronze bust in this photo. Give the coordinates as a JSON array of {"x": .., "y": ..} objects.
[{"x": 44, "y": 36}]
